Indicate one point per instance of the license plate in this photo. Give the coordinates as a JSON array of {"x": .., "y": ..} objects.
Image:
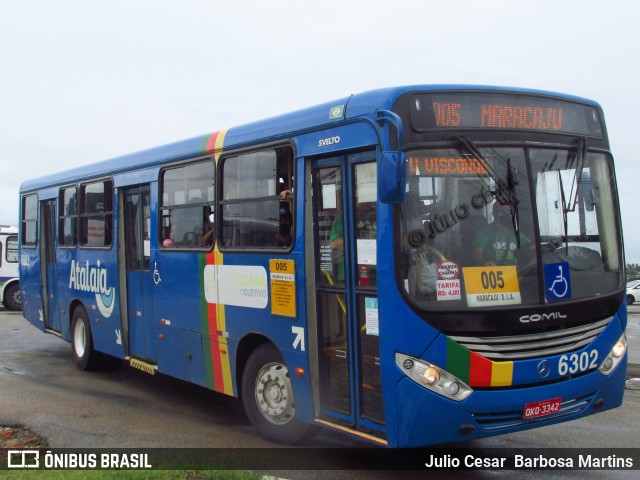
[{"x": 542, "y": 408}]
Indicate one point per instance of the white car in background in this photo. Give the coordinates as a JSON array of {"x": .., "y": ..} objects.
[{"x": 633, "y": 292}]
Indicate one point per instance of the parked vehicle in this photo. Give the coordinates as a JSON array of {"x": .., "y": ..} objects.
[
  {"x": 633, "y": 292},
  {"x": 410, "y": 266},
  {"x": 9, "y": 282}
]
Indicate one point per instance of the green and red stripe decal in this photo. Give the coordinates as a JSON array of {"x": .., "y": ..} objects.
[{"x": 476, "y": 370}]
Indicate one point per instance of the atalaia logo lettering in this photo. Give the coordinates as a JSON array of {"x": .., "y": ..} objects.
[{"x": 89, "y": 278}]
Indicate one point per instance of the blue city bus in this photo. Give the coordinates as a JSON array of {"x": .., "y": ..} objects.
[{"x": 410, "y": 266}]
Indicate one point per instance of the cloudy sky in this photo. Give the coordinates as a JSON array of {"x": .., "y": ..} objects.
[{"x": 85, "y": 80}]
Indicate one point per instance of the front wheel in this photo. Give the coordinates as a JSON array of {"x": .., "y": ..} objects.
[
  {"x": 84, "y": 354},
  {"x": 267, "y": 397},
  {"x": 630, "y": 299}
]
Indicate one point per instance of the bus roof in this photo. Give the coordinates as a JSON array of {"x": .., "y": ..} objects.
[
  {"x": 8, "y": 229},
  {"x": 270, "y": 129}
]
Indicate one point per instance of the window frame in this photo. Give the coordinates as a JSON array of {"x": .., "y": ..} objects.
[
  {"x": 24, "y": 221},
  {"x": 290, "y": 200},
  {"x": 62, "y": 218},
  {"x": 82, "y": 215},
  {"x": 162, "y": 208},
  {"x": 7, "y": 239}
]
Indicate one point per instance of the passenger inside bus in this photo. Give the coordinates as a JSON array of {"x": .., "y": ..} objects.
[
  {"x": 366, "y": 224},
  {"x": 285, "y": 222},
  {"x": 423, "y": 273},
  {"x": 207, "y": 237},
  {"x": 284, "y": 229},
  {"x": 168, "y": 241},
  {"x": 337, "y": 246}
]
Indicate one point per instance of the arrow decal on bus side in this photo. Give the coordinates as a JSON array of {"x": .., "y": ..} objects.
[{"x": 299, "y": 340}]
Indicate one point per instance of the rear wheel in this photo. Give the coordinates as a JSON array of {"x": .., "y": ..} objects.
[
  {"x": 12, "y": 298},
  {"x": 267, "y": 396},
  {"x": 84, "y": 354},
  {"x": 630, "y": 299}
]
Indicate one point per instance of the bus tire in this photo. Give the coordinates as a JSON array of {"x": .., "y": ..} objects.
[
  {"x": 12, "y": 298},
  {"x": 267, "y": 397},
  {"x": 84, "y": 354}
]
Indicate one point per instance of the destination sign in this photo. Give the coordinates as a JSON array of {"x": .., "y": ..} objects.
[
  {"x": 499, "y": 111},
  {"x": 422, "y": 164}
]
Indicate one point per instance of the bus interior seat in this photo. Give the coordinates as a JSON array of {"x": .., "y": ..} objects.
[{"x": 579, "y": 258}]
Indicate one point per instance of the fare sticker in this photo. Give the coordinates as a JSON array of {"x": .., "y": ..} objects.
[{"x": 448, "y": 290}]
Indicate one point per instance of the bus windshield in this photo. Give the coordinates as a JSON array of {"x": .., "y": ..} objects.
[{"x": 507, "y": 226}]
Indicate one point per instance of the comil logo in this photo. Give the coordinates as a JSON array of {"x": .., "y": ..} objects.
[
  {"x": 23, "y": 459},
  {"x": 87, "y": 278},
  {"x": 537, "y": 317}
]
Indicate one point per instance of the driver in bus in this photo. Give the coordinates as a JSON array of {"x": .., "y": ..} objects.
[{"x": 496, "y": 243}]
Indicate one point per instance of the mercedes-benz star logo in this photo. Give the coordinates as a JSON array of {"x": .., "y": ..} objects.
[{"x": 543, "y": 369}]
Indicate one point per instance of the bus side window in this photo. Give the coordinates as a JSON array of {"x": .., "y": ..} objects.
[
  {"x": 257, "y": 200},
  {"x": 29, "y": 236},
  {"x": 187, "y": 206},
  {"x": 68, "y": 218},
  {"x": 96, "y": 214},
  {"x": 11, "y": 246}
]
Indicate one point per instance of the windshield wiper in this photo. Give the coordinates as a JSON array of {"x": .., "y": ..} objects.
[
  {"x": 511, "y": 188},
  {"x": 581, "y": 154},
  {"x": 570, "y": 205},
  {"x": 505, "y": 190}
]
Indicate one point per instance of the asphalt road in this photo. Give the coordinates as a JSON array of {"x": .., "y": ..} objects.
[{"x": 40, "y": 388}]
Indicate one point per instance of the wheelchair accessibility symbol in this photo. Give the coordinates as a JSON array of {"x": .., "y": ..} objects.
[{"x": 557, "y": 282}]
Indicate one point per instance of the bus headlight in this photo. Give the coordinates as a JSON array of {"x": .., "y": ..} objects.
[
  {"x": 615, "y": 356},
  {"x": 431, "y": 376},
  {"x": 434, "y": 378}
]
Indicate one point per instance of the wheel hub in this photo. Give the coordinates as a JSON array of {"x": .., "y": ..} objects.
[{"x": 273, "y": 394}]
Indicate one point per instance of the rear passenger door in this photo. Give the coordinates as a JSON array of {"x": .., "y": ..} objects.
[
  {"x": 48, "y": 265},
  {"x": 137, "y": 228}
]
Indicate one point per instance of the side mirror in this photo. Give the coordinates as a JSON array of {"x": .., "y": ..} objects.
[{"x": 391, "y": 177}]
